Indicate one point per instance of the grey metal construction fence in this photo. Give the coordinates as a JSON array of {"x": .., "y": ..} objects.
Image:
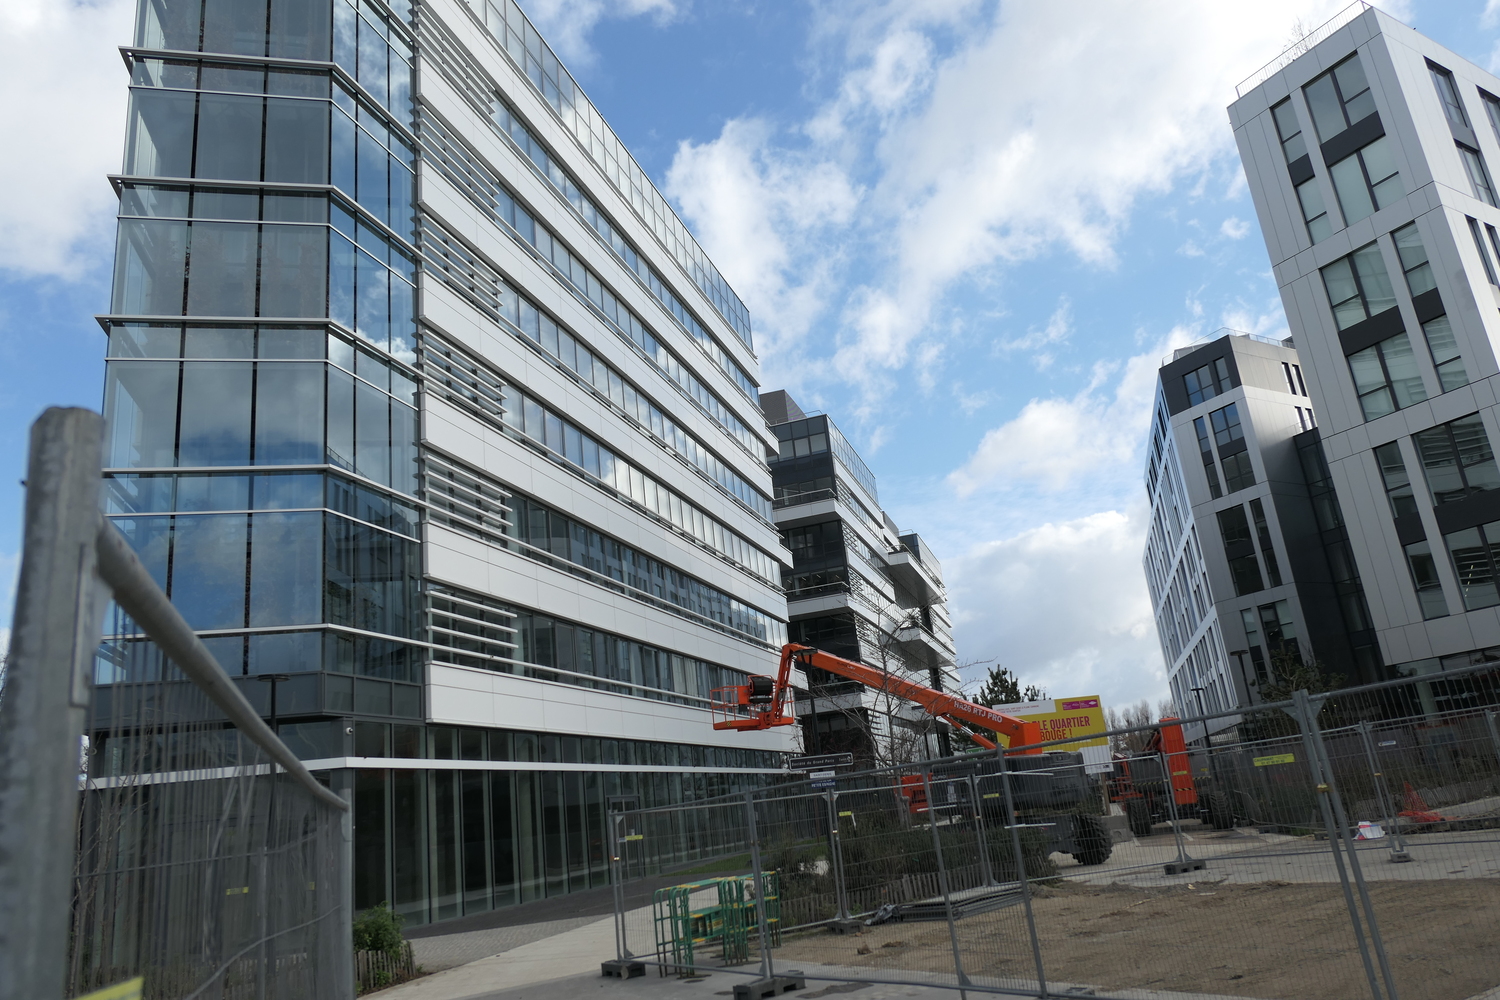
[
  {"x": 152, "y": 826},
  {"x": 1338, "y": 845}
]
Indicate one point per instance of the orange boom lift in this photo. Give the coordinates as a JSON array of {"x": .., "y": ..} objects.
[{"x": 763, "y": 703}]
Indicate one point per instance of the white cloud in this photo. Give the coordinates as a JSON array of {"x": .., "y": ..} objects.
[
  {"x": 1234, "y": 228},
  {"x": 65, "y": 88},
  {"x": 1491, "y": 15},
  {"x": 1064, "y": 606},
  {"x": 1054, "y": 441},
  {"x": 1059, "y": 326},
  {"x": 977, "y": 138},
  {"x": 566, "y": 24},
  {"x": 763, "y": 209}
]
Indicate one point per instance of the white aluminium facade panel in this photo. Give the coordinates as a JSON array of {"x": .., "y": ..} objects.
[{"x": 1434, "y": 119}]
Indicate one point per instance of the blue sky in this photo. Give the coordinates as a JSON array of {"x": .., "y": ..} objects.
[{"x": 968, "y": 230}]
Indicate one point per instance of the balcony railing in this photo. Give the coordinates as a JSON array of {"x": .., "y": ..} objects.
[{"x": 1300, "y": 46}]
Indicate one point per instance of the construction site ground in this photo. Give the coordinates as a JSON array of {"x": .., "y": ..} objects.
[{"x": 1266, "y": 919}]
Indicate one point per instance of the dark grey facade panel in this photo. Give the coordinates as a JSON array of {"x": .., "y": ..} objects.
[
  {"x": 1470, "y": 512},
  {"x": 1301, "y": 169},
  {"x": 1429, "y": 305},
  {"x": 1353, "y": 138},
  {"x": 1172, "y": 373},
  {"x": 1372, "y": 331},
  {"x": 1409, "y": 529}
]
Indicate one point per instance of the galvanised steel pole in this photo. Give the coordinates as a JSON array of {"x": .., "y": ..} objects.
[
  {"x": 55, "y": 632},
  {"x": 1306, "y": 717}
]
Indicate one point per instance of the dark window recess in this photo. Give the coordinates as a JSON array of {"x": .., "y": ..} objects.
[
  {"x": 1484, "y": 255},
  {"x": 1226, "y": 424},
  {"x": 1238, "y": 473},
  {"x": 1207, "y": 382},
  {"x": 1239, "y": 550},
  {"x": 1397, "y": 482},
  {"x": 1263, "y": 538},
  {"x": 1457, "y": 459},
  {"x": 1447, "y": 91},
  {"x": 1424, "y": 579},
  {"x": 1206, "y": 449}
]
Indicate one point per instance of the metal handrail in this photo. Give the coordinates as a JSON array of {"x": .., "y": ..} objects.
[
  {"x": 1301, "y": 45},
  {"x": 138, "y": 596}
]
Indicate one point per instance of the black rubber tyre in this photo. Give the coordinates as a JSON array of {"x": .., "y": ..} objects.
[
  {"x": 1091, "y": 840},
  {"x": 1218, "y": 810},
  {"x": 1138, "y": 813}
]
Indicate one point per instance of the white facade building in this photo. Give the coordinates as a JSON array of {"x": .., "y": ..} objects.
[{"x": 1370, "y": 158}]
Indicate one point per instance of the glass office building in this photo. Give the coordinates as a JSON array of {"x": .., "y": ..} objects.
[{"x": 424, "y": 405}]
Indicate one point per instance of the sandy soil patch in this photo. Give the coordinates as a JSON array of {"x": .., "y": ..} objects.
[{"x": 1274, "y": 940}]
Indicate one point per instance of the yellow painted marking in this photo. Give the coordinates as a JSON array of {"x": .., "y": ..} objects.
[
  {"x": 128, "y": 990},
  {"x": 1280, "y": 758}
]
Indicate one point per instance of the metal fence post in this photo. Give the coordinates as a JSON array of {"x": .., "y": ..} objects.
[
  {"x": 1021, "y": 876},
  {"x": 1307, "y": 719},
  {"x": 942, "y": 871},
  {"x": 1489, "y": 719},
  {"x": 56, "y": 629},
  {"x": 1346, "y": 837},
  {"x": 836, "y": 856},
  {"x": 767, "y": 966},
  {"x": 1185, "y": 862},
  {"x": 986, "y": 872},
  {"x": 1398, "y": 846}
]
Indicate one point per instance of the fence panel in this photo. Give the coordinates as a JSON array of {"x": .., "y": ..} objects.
[{"x": 1269, "y": 863}]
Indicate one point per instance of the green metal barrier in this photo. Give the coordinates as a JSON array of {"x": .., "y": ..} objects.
[{"x": 719, "y": 911}]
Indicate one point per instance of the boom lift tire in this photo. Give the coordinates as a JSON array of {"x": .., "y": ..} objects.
[
  {"x": 1138, "y": 813},
  {"x": 1218, "y": 810},
  {"x": 1091, "y": 839}
]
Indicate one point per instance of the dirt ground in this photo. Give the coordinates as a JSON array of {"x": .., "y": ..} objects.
[{"x": 1275, "y": 940}]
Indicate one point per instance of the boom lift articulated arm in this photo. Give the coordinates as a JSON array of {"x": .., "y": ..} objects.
[{"x": 763, "y": 703}]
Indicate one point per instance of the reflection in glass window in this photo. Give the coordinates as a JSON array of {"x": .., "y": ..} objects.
[
  {"x": 1479, "y": 176},
  {"x": 1386, "y": 377},
  {"x": 1473, "y": 552},
  {"x": 1358, "y": 286},
  {"x": 1457, "y": 459},
  {"x": 1414, "y": 260},
  {"x": 1289, "y": 130},
  {"x": 1397, "y": 482},
  {"x": 1263, "y": 539},
  {"x": 1205, "y": 448},
  {"x": 1445, "y": 355},
  {"x": 1239, "y": 473},
  {"x": 1484, "y": 255},
  {"x": 1491, "y": 111},
  {"x": 1226, "y": 424},
  {"x": 1424, "y": 578},
  {"x": 1208, "y": 381},
  {"x": 1447, "y": 92},
  {"x": 1314, "y": 210},
  {"x": 1339, "y": 98},
  {"x": 1367, "y": 180}
]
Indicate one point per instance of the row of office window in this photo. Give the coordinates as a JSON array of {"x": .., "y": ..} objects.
[
  {"x": 228, "y": 132},
  {"x": 512, "y": 125},
  {"x": 819, "y": 434},
  {"x": 346, "y": 272},
  {"x": 439, "y": 844},
  {"x": 348, "y": 408},
  {"x": 567, "y": 441},
  {"x": 1271, "y": 635},
  {"x": 558, "y": 534},
  {"x": 525, "y": 319},
  {"x": 369, "y": 46},
  {"x": 1386, "y": 375},
  {"x": 319, "y": 562},
  {"x": 480, "y": 283},
  {"x": 534, "y": 58}
]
